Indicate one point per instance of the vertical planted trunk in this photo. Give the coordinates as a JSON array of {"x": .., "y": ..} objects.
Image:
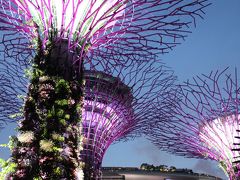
[{"x": 49, "y": 142}]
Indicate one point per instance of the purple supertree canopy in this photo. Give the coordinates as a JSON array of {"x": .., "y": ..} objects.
[
  {"x": 119, "y": 32},
  {"x": 103, "y": 34},
  {"x": 205, "y": 122},
  {"x": 110, "y": 30}
]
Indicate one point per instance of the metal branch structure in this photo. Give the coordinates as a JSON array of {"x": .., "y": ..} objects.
[
  {"x": 115, "y": 111},
  {"x": 105, "y": 31},
  {"x": 83, "y": 57},
  {"x": 205, "y": 122},
  {"x": 107, "y": 116}
]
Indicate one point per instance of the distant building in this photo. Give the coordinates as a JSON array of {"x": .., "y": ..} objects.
[
  {"x": 188, "y": 171},
  {"x": 133, "y": 173}
]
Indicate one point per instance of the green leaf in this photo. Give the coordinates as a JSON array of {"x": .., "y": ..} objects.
[
  {"x": 13, "y": 116},
  {"x": 67, "y": 116},
  {"x": 63, "y": 102},
  {"x": 60, "y": 112}
]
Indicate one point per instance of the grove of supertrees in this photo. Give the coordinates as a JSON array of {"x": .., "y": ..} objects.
[
  {"x": 88, "y": 74},
  {"x": 205, "y": 122}
]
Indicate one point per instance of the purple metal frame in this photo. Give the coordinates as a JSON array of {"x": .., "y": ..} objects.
[
  {"x": 117, "y": 29},
  {"x": 205, "y": 122}
]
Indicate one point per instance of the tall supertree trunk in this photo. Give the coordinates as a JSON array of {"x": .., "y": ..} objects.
[{"x": 49, "y": 141}]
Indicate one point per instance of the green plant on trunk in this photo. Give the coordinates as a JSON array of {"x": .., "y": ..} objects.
[
  {"x": 48, "y": 145},
  {"x": 7, "y": 166}
]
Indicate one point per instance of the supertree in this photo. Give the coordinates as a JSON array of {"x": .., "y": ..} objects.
[
  {"x": 57, "y": 41},
  {"x": 116, "y": 105},
  {"x": 204, "y": 122}
]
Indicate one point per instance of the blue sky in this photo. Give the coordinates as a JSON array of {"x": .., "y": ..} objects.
[{"x": 213, "y": 45}]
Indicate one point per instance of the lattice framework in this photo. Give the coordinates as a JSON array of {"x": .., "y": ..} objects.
[
  {"x": 117, "y": 30},
  {"x": 205, "y": 122}
]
